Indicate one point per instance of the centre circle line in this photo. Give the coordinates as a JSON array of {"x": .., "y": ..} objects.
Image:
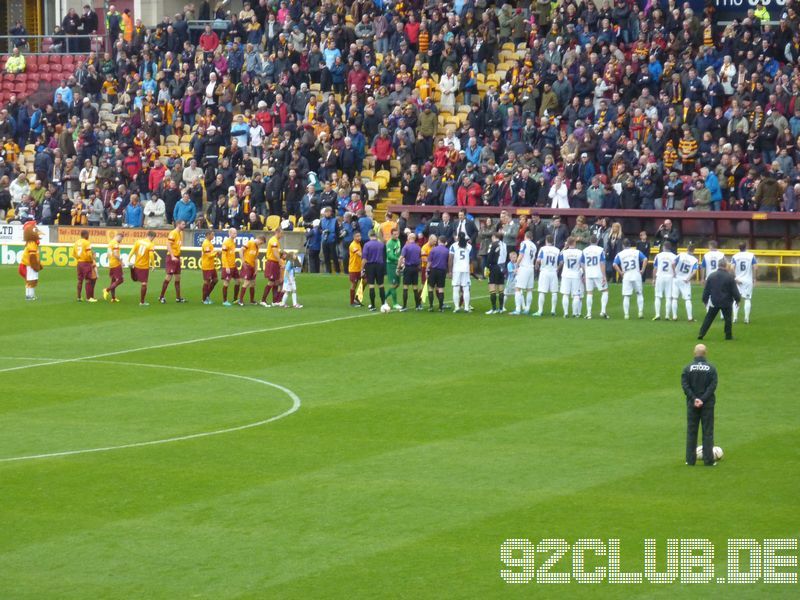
[{"x": 296, "y": 403}]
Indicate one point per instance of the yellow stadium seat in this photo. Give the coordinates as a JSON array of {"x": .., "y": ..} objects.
[
  {"x": 508, "y": 46},
  {"x": 273, "y": 222},
  {"x": 367, "y": 174},
  {"x": 172, "y": 140}
]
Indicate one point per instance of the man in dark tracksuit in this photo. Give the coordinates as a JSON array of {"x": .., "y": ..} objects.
[
  {"x": 699, "y": 382},
  {"x": 721, "y": 288}
]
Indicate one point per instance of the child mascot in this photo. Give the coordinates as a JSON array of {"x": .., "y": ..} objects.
[{"x": 30, "y": 265}]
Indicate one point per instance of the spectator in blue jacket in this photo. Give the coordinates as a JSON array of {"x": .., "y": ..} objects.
[
  {"x": 133, "y": 213},
  {"x": 712, "y": 185},
  {"x": 365, "y": 224},
  {"x": 185, "y": 210}
]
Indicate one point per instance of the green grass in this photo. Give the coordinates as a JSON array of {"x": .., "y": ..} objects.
[{"x": 422, "y": 443}]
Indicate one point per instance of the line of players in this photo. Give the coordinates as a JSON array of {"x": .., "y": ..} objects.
[
  {"x": 570, "y": 272},
  {"x": 279, "y": 270}
]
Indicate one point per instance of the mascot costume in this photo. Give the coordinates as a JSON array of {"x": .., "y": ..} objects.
[{"x": 31, "y": 264}]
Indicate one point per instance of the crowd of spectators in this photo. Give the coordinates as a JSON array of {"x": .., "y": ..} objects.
[{"x": 276, "y": 109}]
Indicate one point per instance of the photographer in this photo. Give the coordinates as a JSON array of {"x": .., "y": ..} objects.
[{"x": 667, "y": 233}]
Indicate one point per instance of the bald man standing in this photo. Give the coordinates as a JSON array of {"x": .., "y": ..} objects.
[{"x": 699, "y": 382}]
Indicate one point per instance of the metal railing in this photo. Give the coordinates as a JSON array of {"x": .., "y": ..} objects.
[{"x": 53, "y": 44}]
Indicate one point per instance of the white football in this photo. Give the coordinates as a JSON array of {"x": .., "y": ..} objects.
[
  {"x": 385, "y": 308},
  {"x": 718, "y": 454}
]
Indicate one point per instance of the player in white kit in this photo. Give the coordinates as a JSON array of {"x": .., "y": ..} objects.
[
  {"x": 744, "y": 271},
  {"x": 685, "y": 267},
  {"x": 711, "y": 258},
  {"x": 526, "y": 255},
  {"x": 663, "y": 276},
  {"x": 459, "y": 269},
  {"x": 571, "y": 261},
  {"x": 594, "y": 269},
  {"x": 547, "y": 261},
  {"x": 630, "y": 263}
]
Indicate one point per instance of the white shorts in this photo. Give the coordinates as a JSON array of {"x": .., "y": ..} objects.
[
  {"x": 525, "y": 279},
  {"x": 745, "y": 289},
  {"x": 596, "y": 283},
  {"x": 682, "y": 289},
  {"x": 664, "y": 287},
  {"x": 289, "y": 286},
  {"x": 571, "y": 286},
  {"x": 461, "y": 280},
  {"x": 632, "y": 284},
  {"x": 31, "y": 275},
  {"x": 548, "y": 282}
]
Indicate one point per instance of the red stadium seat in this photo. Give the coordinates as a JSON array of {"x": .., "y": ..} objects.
[
  {"x": 32, "y": 67},
  {"x": 32, "y": 85},
  {"x": 7, "y": 85},
  {"x": 44, "y": 68},
  {"x": 19, "y": 88},
  {"x": 55, "y": 68}
]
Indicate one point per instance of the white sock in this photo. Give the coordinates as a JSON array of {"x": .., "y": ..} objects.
[
  {"x": 658, "y": 307},
  {"x": 640, "y": 303},
  {"x": 528, "y": 300},
  {"x": 518, "y": 301},
  {"x": 689, "y": 309},
  {"x": 565, "y": 304},
  {"x": 747, "y": 306},
  {"x": 465, "y": 291},
  {"x": 604, "y": 302},
  {"x": 674, "y": 308},
  {"x": 28, "y": 292},
  {"x": 589, "y": 298},
  {"x": 541, "y": 302},
  {"x": 553, "y": 303},
  {"x": 735, "y": 312},
  {"x": 576, "y": 306},
  {"x": 294, "y": 297},
  {"x": 626, "y": 305}
]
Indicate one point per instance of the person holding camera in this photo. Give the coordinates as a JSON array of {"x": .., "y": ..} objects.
[{"x": 667, "y": 233}]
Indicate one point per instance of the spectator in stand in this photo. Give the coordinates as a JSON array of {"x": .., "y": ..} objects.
[{"x": 16, "y": 62}]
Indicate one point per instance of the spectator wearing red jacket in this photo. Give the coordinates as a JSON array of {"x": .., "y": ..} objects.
[
  {"x": 157, "y": 172},
  {"x": 411, "y": 30},
  {"x": 357, "y": 78},
  {"x": 132, "y": 164},
  {"x": 209, "y": 40},
  {"x": 382, "y": 149},
  {"x": 280, "y": 111},
  {"x": 469, "y": 192},
  {"x": 441, "y": 156},
  {"x": 265, "y": 119}
]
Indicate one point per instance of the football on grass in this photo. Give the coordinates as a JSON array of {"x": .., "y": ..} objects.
[
  {"x": 386, "y": 308},
  {"x": 717, "y": 452}
]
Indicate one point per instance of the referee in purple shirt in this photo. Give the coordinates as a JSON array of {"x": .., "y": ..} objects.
[
  {"x": 410, "y": 259},
  {"x": 438, "y": 264},
  {"x": 374, "y": 257}
]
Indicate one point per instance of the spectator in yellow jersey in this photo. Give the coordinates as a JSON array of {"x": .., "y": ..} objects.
[{"x": 16, "y": 62}]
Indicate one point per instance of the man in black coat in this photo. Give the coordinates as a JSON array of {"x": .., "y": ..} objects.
[
  {"x": 699, "y": 382},
  {"x": 722, "y": 290}
]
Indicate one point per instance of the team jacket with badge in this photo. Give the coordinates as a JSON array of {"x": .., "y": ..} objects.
[{"x": 699, "y": 380}]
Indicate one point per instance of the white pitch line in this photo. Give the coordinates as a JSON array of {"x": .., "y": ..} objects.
[
  {"x": 184, "y": 342},
  {"x": 296, "y": 403}
]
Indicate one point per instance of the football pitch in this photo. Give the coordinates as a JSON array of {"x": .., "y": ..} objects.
[{"x": 189, "y": 451}]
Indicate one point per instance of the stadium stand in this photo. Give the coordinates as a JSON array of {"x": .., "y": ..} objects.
[{"x": 565, "y": 105}]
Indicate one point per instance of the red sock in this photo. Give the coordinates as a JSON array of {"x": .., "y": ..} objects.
[
  {"x": 205, "y": 291},
  {"x": 236, "y": 291},
  {"x": 80, "y": 287},
  {"x": 224, "y": 293},
  {"x": 241, "y": 296},
  {"x": 178, "y": 289},
  {"x": 265, "y": 295},
  {"x": 164, "y": 287},
  {"x": 211, "y": 286},
  {"x": 90, "y": 288},
  {"x": 252, "y": 293},
  {"x": 277, "y": 294},
  {"x": 143, "y": 293},
  {"x": 352, "y": 296}
]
